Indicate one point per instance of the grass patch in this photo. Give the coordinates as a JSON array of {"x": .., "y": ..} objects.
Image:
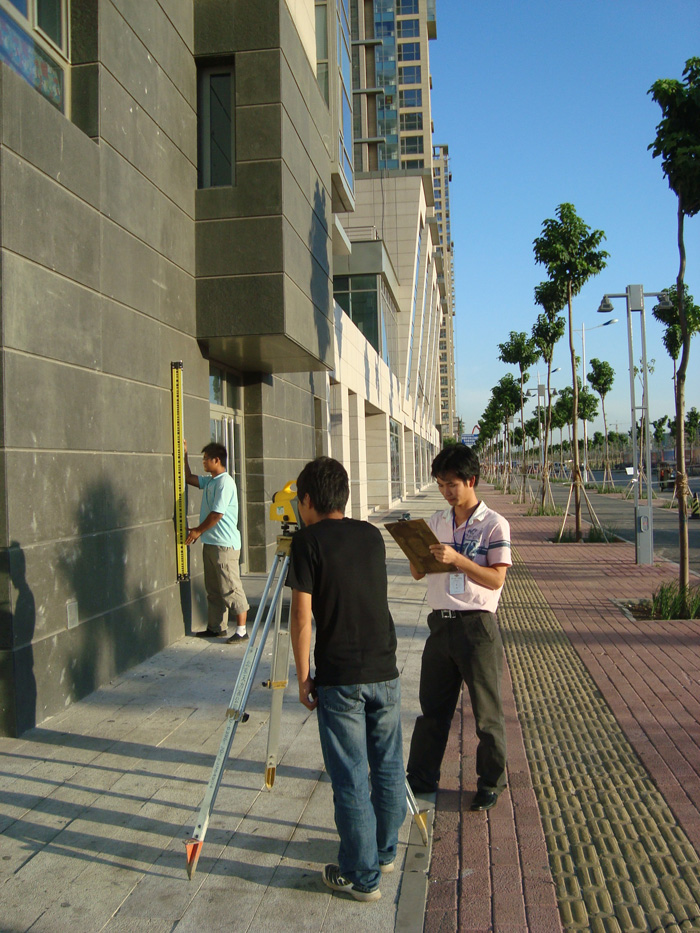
[
  {"x": 605, "y": 490},
  {"x": 594, "y": 535},
  {"x": 670, "y": 602},
  {"x": 536, "y": 509}
]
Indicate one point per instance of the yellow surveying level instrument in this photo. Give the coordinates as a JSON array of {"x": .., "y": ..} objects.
[{"x": 179, "y": 472}]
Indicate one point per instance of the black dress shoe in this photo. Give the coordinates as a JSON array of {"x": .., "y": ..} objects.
[
  {"x": 207, "y": 633},
  {"x": 484, "y": 800}
]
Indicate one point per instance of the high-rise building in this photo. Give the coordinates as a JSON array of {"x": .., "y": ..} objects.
[
  {"x": 442, "y": 176},
  {"x": 391, "y": 83}
]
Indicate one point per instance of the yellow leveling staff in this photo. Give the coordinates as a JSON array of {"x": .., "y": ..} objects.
[{"x": 179, "y": 468}]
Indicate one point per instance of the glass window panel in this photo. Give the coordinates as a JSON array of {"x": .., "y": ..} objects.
[
  {"x": 322, "y": 33},
  {"x": 363, "y": 283},
  {"x": 412, "y": 121},
  {"x": 48, "y": 19},
  {"x": 409, "y": 52},
  {"x": 364, "y": 316},
  {"x": 20, "y": 5},
  {"x": 220, "y": 129},
  {"x": 343, "y": 299},
  {"x": 322, "y": 77},
  {"x": 410, "y": 74},
  {"x": 411, "y": 98},
  {"x": 406, "y": 6},
  {"x": 216, "y": 386},
  {"x": 408, "y": 28}
]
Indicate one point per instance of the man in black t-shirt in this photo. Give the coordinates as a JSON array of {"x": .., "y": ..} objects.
[{"x": 338, "y": 574}]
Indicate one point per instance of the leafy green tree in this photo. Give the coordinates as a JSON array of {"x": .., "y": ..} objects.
[
  {"x": 521, "y": 351},
  {"x": 506, "y": 398},
  {"x": 673, "y": 336},
  {"x": 569, "y": 250},
  {"x": 548, "y": 329},
  {"x": 659, "y": 434},
  {"x": 601, "y": 378},
  {"x": 678, "y": 144}
]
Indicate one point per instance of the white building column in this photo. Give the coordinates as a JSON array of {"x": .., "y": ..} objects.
[
  {"x": 378, "y": 460},
  {"x": 339, "y": 431},
  {"x": 409, "y": 459},
  {"x": 358, "y": 463}
]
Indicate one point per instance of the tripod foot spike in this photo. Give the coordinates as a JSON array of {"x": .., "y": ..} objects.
[
  {"x": 194, "y": 848},
  {"x": 421, "y": 821}
]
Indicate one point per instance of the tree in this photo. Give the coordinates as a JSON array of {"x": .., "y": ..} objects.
[
  {"x": 601, "y": 378},
  {"x": 546, "y": 332},
  {"x": 678, "y": 144},
  {"x": 568, "y": 249},
  {"x": 659, "y": 433},
  {"x": 506, "y": 397},
  {"x": 673, "y": 337},
  {"x": 521, "y": 351}
]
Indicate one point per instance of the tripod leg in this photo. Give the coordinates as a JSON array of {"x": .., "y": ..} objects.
[
  {"x": 279, "y": 678},
  {"x": 235, "y": 713},
  {"x": 419, "y": 816}
]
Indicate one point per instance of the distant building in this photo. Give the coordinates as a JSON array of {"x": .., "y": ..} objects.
[{"x": 442, "y": 176}]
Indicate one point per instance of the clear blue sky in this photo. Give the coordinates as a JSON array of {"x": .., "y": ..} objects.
[{"x": 542, "y": 102}]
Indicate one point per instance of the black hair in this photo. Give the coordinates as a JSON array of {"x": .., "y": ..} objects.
[
  {"x": 326, "y": 483},
  {"x": 216, "y": 452},
  {"x": 457, "y": 459}
]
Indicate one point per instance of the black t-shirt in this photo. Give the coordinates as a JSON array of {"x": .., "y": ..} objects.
[{"x": 342, "y": 563}]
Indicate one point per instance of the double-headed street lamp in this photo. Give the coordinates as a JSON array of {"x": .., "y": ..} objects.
[
  {"x": 643, "y": 519},
  {"x": 582, "y": 330}
]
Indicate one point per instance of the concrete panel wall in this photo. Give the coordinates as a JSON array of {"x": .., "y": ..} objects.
[{"x": 98, "y": 297}]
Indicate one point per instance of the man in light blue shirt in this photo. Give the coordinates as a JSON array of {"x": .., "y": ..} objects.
[{"x": 218, "y": 529}]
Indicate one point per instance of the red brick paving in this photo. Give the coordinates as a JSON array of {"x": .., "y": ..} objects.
[{"x": 490, "y": 872}]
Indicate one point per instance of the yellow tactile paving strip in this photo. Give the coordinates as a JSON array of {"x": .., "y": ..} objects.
[{"x": 619, "y": 859}]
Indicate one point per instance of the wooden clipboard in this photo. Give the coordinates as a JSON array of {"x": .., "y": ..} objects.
[{"x": 414, "y": 538}]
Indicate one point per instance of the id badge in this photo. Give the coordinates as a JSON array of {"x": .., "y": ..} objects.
[{"x": 456, "y": 584}]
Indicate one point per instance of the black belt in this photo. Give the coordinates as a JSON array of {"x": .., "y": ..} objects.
[{"x": 456, "y": 613}]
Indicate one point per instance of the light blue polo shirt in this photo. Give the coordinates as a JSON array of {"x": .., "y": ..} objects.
[{"x": 219, "y": 494}]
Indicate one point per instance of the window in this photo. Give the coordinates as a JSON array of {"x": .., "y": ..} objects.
[
  {"x": 411, "y": 121},
  {"x": 410, "y": 74},
  {"x": 411, "y": 145},
  {"x": 411, "y": 98},
  {"x": 408, "y": 28},
  {"x": 216, "y": 157},
  {"x": 412, "y": 163},
  {"x": 404, "y": 7},
  {"x": 34, "y": 44},
  {"x": 322, "y": 48},
  {"x": 409, "y": 52}
]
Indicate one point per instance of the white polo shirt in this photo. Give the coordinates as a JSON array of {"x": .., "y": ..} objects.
[{"x": 486, "y": 537}]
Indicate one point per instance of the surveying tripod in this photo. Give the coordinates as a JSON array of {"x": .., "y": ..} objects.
[{"x": 281, "y": 510}]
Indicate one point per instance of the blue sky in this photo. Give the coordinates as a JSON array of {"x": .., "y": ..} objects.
[{"x": 541, "y": 102}]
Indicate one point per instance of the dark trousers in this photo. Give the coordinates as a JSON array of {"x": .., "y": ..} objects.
[{"x": 469, "y": 649}]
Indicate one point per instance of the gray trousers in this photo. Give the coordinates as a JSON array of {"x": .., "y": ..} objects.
[{"x": 222, "y": 581}]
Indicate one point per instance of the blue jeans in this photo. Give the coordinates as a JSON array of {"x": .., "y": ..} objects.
[{"x": 360, "y": 730}]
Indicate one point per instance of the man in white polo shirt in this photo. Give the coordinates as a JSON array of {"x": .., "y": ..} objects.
[
  {"x": 218, "y": 529},
  {"x": 464, "y": 644}
]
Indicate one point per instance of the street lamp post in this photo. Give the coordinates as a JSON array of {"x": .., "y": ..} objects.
[
  {"x": 584, "y": 381},
  {"x": 643, "y": 518}
]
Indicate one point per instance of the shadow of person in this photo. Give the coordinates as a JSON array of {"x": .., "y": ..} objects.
[{"x": 23, "y": 623}]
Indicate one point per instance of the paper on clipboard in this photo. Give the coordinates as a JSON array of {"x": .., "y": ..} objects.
[{"x": 414, "y": 538}]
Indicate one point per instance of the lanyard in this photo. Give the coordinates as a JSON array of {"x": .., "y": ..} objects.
[{"x": 460, "y": 545}]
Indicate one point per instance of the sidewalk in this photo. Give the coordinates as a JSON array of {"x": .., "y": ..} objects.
[
  {"x": 608, "y": 713},
  {"x": 599, "y": 830}
]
